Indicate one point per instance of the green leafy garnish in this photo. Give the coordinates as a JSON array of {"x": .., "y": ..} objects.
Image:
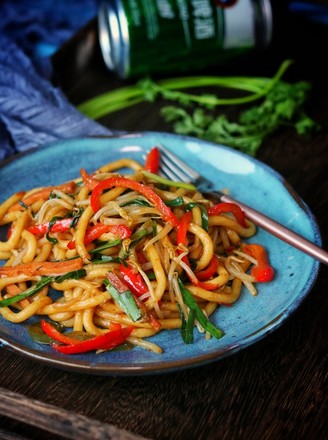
[
  {"x": 74, "y": 274},
  {"x": 105, "y": 245},
  {"x": 99, "y": 258},
  {"x": 76, "y": 217},
  {"x": 168, "y": 182},
  {"x": 278, "y": 104},
  {"x": 125, "y": 301},
  {"x": 190, "y": 302},
  {"x": 178, "y": 201},
  {"x": 282, "y": 106},
  {"x": 51, "y": 223},
  {"x": 136, "y": 202},
  {"x": 187, "y": 325}
]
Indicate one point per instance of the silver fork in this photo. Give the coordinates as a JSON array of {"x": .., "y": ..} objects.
[{"x": 174, "y": 168}]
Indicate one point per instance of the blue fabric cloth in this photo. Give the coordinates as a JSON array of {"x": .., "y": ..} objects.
[{"x": 33, "y": 111}]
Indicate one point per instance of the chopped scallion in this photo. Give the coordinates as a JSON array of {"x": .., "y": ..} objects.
[
  {"x": 168, "y": 182},
  {"x": 125, "y": 300},
  {"x": 190, "y": 302},
  {"x": 75, "y": 274}
]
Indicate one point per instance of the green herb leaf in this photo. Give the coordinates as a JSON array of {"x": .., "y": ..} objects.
[
  {"x": 178, "y": 201},
  {"x": 74, "y": 274},
  {"x": 51, "y": 223},
  {"x": 125, "y": 301},
  {"x": 106, "y": 245},
  {"x": 137, "y": 202},
  {"x": 278, "y": 104},
  {"x": 187, "y": 326},
  {"x": 99, "y": 258},
  {"x": 190, "y": 302},
  {"x": 28, "y": 292},
  {"x": 168, "y": 182}
]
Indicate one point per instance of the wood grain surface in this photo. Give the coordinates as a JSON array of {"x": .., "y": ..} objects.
[
  {"x": 53, "y": 419},
  {"x": 275, "y": 389}
]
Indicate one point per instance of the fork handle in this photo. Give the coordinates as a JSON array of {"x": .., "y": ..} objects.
[{"x": 277, "y": 229}]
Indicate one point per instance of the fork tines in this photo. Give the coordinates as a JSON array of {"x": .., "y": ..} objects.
[{"x": 174, "y": 168}]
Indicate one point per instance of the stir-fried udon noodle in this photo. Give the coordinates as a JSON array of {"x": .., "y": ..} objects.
[{"x": 124, "y": 251}]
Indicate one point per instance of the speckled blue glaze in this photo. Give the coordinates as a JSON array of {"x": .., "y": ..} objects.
[{"x": 248, "y": 180}]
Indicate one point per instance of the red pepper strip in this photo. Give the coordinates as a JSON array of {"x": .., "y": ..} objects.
[
  {"x": 204, "y": 275},
  {"x": 219, "y": 208},
  {"x": 183, "y": 228},
  {"x": 182, "y": 233},
  {"x": 61, "y": 225},
  {"x": 263, "y": 272},
  {"x": 152, "y": 161},
  {"x": 125, "y": 333},
  {"x": 56, "y": 335},
  {"x": 134, "y": 280},
  {"x": 89, "y": 181},
  {"x": 209, "y": 271},
  {"x": 94, "y": 232},
  {"x": 105, "y": 341},
  {"x": 123, "y": 182}
]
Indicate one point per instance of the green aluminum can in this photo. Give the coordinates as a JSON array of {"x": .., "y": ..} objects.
[{"x": 140, "y": 37}]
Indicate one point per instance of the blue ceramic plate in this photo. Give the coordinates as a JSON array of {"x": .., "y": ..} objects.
[{"x": 248, "y": 180}]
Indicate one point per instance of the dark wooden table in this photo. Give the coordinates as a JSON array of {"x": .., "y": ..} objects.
[{"x": 275, "y": 389}]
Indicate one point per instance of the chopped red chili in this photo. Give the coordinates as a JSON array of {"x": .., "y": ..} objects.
[
  {"x": 152, "y": 161},
  {"x": 263, "y": 272},
  {"x": 209, "y": 271},
  {"x": 182, "y": 233},
  {"x": 56, "y": 335},
  {"x": 106, "y": 341},
  {"x": 89, "y": 181},
  {"x": 134, "y": 280},
  {"x": 61, "y": 225}
]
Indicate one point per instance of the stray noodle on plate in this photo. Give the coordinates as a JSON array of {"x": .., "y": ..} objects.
[{"x": 111, "y": 258}]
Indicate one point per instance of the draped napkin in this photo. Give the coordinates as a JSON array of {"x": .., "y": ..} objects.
[{"x": 33, "y": 111}]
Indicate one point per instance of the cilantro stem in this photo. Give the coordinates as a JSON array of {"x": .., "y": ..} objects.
[
  {"x": 279, "y": 103},
  {"x": 128, "y": 96}
]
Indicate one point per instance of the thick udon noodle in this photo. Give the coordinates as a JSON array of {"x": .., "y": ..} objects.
[{"x": 83, "y": 304}]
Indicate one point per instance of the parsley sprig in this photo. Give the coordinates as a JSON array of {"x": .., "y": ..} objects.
[{"x": 276, "y": 102}]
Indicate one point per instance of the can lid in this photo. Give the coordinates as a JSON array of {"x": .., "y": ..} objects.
[
  {"x": 266, "y": 23},
  {"x": 114, "y": 37},
  {"x": 108, "y": 28}
]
